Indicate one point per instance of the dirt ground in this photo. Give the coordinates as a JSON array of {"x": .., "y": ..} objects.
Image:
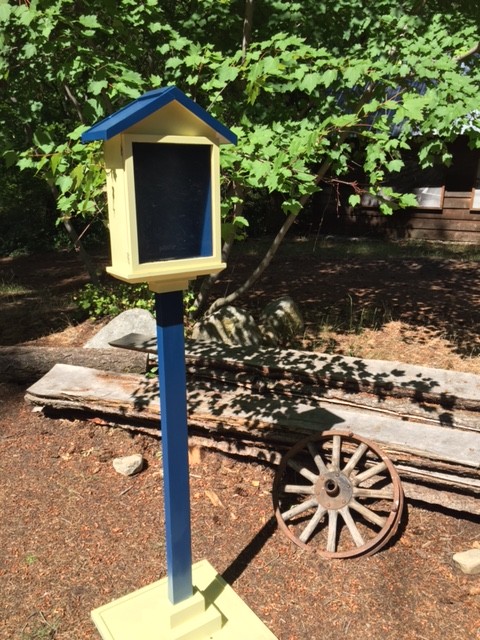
[{"x": 75, "y": 535}]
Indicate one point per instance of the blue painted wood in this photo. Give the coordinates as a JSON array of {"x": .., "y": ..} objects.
[
  {"x": 145, "y": 106},
  {"x": 173, "y": 407}
]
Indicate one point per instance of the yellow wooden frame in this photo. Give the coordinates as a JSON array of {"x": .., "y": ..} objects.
[{"x": 165, "y": 275}]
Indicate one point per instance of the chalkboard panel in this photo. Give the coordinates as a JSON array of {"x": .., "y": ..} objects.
[{"x": 173, "y": 200}]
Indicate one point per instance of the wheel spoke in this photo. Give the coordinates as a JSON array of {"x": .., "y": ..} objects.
[
  {"x": 332, "y": 531},
  {"x": 352, "y": 527},
  {"x": 367, "y": 513},
  {"x": 302, "y": 489},
  {"x": 369, "y": 473},
  {"x": 299, "y": 508},
  {"x": 337, "y": 445},
  {"x": 379, "y": 494},
  {"x": 310, "y": 528},
  {"x": 321, "y": 466},
  {"x": 361, "y": 449},
  {"x": 302, "y": 470}
]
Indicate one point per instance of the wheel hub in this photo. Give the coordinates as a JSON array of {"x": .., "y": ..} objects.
[{"x": 333, "y": 490}]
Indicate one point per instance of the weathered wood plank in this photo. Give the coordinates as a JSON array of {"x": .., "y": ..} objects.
[
  {"x": 443, "y": 234},
  {"x": 379, "y": 378},
  {"x": 457, "y": 201},
  {"x": 445, "y": 498},
  {"x": 447, "y": 222},
  {"x": 257, "y": 416}
]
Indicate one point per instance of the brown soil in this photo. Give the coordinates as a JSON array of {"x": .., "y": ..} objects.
[{"x": 75, "y": 535}]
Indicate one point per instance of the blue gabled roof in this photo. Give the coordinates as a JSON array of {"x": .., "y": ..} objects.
[{"x": 145, "y": 106}]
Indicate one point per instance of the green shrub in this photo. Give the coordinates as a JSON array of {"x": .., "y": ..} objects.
[{"x": 110, "y": 299}]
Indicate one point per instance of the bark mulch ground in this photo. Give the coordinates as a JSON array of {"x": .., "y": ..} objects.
[{"x": 75, "y": 535}]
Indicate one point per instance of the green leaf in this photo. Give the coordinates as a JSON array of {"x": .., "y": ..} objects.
[
  {"x": 64, "y": 183},
  {"x": 408, "y": 200},
  {"x": 5, "y": 11},
  {"x": 310, "y": 82},
  {"x": 89, "y": 21},
  {"x": 97, "y": 86},
  {"x": 386, "y": 208},
  {"x": 10, "y": 157},
  {"x": 291, "y": 206},
  {"x": 55, "y": 160},
  {"x": 29, "y": 50},
  {"x": 354, "y": 199},
  {"x": 329, "y": 77},
  {"x": 395, "y": 165},
  {"x": 241, "y": 221},
  {"x": 227, "y": 74},
  {"x": 77, "y": 175}
]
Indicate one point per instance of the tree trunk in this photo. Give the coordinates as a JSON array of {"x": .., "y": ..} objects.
[
  {"x": 277, "y": 241},
  {"x": 78, "y": 244},
  {"x": 83, "y": 254},
  {"x": 247, "y": 25},
  {"x": 27, "y": 364}
]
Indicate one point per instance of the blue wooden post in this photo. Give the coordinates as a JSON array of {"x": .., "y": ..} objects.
[{"x": 173, "y": 407}]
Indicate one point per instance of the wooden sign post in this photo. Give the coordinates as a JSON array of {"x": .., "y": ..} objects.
[{"x": 163, "y": 185}]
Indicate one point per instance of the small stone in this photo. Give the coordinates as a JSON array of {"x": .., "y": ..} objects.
[
  {"x": 128, "y": 465},
  {"x": 468, "y": 561}
]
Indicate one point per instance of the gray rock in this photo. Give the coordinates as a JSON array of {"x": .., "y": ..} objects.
[
  {"x": 468, "y": 561},
  {"x": 281, "y": 321},
  {"x": 128, "y": 465},
  {"x": 131, "y": 321},
  {"x": 229, "y": 325}
]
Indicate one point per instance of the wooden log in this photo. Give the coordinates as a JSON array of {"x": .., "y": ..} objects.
[
  {"x": 24, "y": 364},
  {"x": 228, "y": 413},
  {"x": 449, "y": 389},
  {"x": 414, "y": 491}
]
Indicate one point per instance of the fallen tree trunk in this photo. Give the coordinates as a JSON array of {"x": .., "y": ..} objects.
[{"x": 26, "y": 364}]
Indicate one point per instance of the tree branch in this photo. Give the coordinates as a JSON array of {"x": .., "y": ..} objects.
[
  {"x": 470, "y": 52},
  {"x": 74, "y": 101},
  {"x": 220, "y": 302}
]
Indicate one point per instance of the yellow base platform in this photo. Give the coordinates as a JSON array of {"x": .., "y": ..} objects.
[{"x": 214, "y": 612}]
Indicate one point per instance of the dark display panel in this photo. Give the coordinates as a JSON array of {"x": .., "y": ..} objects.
[{"x": 173, "y": 200}]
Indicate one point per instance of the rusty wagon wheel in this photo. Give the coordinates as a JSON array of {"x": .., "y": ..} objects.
[{"x": 339, "y": 493}]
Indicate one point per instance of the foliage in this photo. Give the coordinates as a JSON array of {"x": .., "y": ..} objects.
[
  {"x": 320, "y": 89},
  {"x": 108, "y": 300},
  {"x": 111, "y": 298}
]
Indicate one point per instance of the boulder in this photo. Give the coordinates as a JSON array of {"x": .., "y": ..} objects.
[
  {"x": 130, "y": 321},
  {"x": 280, "y": 321},
  {"x": 229, "y": 325}
]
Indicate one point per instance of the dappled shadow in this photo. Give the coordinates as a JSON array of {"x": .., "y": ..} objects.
[
  {"x": 439, "y": 296},
  {"x": 279, "y": 396}
]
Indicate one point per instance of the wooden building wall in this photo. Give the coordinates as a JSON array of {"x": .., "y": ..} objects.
[
  {"x": 455, "y": 222},
  {"x": 449, "y": 210}
]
